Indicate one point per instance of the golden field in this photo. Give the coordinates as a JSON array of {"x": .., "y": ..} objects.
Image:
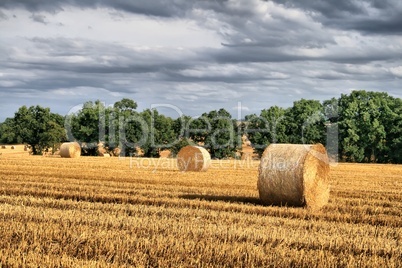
[{"x": 135, "y": 212}]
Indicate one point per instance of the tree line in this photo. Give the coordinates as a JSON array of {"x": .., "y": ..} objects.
[{"x": 357, "y": 127}]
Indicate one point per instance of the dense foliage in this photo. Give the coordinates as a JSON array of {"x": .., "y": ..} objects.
[
  {"x": 35, "y": 126},
  {"x": 357, "y": 127}
]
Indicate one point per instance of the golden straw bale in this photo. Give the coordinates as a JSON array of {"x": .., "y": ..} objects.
[
  {"x": 101, "y": 149},
  {"x": 193, "y": 158},
  {"x": 70, "y": 150},
  {"x": 294, "y": 175},
  {"x": 164, "y": 154},
  {"x": 116, "y": 151}
]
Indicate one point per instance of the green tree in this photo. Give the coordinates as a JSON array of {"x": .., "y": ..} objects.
[
  {"x": 363, "y": 133},
  {"x": 217, "y": 132},
  {"x": 305, "y": 122},
  {"x": 39, "y": 128},
  {"x": 126, "y": 127},
  {"x": 393, "y": 126},
  {"x": 125, "y": 105},
  {"x": 182, "y": 134},
  {"x": 160, "y": 134},
  {"x": 89, "y": 126},
  {"x": 265, "y": 129},
  {"x": 7, "y": 132}
]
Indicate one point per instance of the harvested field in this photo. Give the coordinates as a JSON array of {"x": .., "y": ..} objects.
[
  {"x": 122, "y": 212},
  {"x": 18, "y": 150}
]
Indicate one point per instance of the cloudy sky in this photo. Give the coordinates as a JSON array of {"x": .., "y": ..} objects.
[{"x": 196, "y": 56}]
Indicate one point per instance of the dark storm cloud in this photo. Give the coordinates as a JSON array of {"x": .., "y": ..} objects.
[
  {"x": 85, "y": 56},
  {"x": 150, "y": 7},
  {"x": 40, "y": 5},
  {"x": 238, "y": 54},
  {"x": 329, "y": 9},
  {"x": 367, "y": 16},
  {"x": 392, "y": 25}
]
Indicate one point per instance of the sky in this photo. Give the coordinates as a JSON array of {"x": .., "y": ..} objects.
[{"x": 191, "y": 57}]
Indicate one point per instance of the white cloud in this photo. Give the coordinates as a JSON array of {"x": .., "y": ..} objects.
[{"x": 397, "y": 71}]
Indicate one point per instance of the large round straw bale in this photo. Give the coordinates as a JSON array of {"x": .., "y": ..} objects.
[
  {"x": 70, "y": 150},
  {"x": 193, "y": 158},
  {"x": 294, "y": 175}
]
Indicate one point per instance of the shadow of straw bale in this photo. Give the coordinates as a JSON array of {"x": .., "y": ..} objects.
[
  {"x": 236, "y": 199},
  {"x": 228, "y": 199}
]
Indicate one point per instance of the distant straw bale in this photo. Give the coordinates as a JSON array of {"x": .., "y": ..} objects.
[
  {"x": 102, "y": 153},
  {"x": 164, "y": 153},
  {"x": 193, "y": 158},
  {"x": 116, "y": 151},
  {"x": 70, "y": 150},
  {"x": 101, "y": 150},
  {"x": 294, "y": 175}
]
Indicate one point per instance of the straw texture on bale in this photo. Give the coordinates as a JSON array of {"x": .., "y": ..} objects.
[
  {"x": 70, "y": 150},
  {"x": 193, "y": 158},
  {"x": 294, "y": 175}
]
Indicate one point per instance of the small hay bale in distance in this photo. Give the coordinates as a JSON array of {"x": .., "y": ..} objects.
[
  {"x": 70, "y": 150},
  {"x": 12, "y": 147},
  {"x": 193, "y": 158},
  {"x": 101, "y": 149},
  {"x": 102, "y": 153},
  {"x": 116, "y": 151},
  {"x": 294, "y": 175},
  {"x": 3, "y": 147},
  {"x": 106, "y": 155}
]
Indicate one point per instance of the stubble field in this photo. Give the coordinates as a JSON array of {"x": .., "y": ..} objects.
[{"x": 134, "y": 212}]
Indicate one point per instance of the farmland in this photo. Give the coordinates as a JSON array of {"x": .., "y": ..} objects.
[{"x": 122, "y": 212}]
